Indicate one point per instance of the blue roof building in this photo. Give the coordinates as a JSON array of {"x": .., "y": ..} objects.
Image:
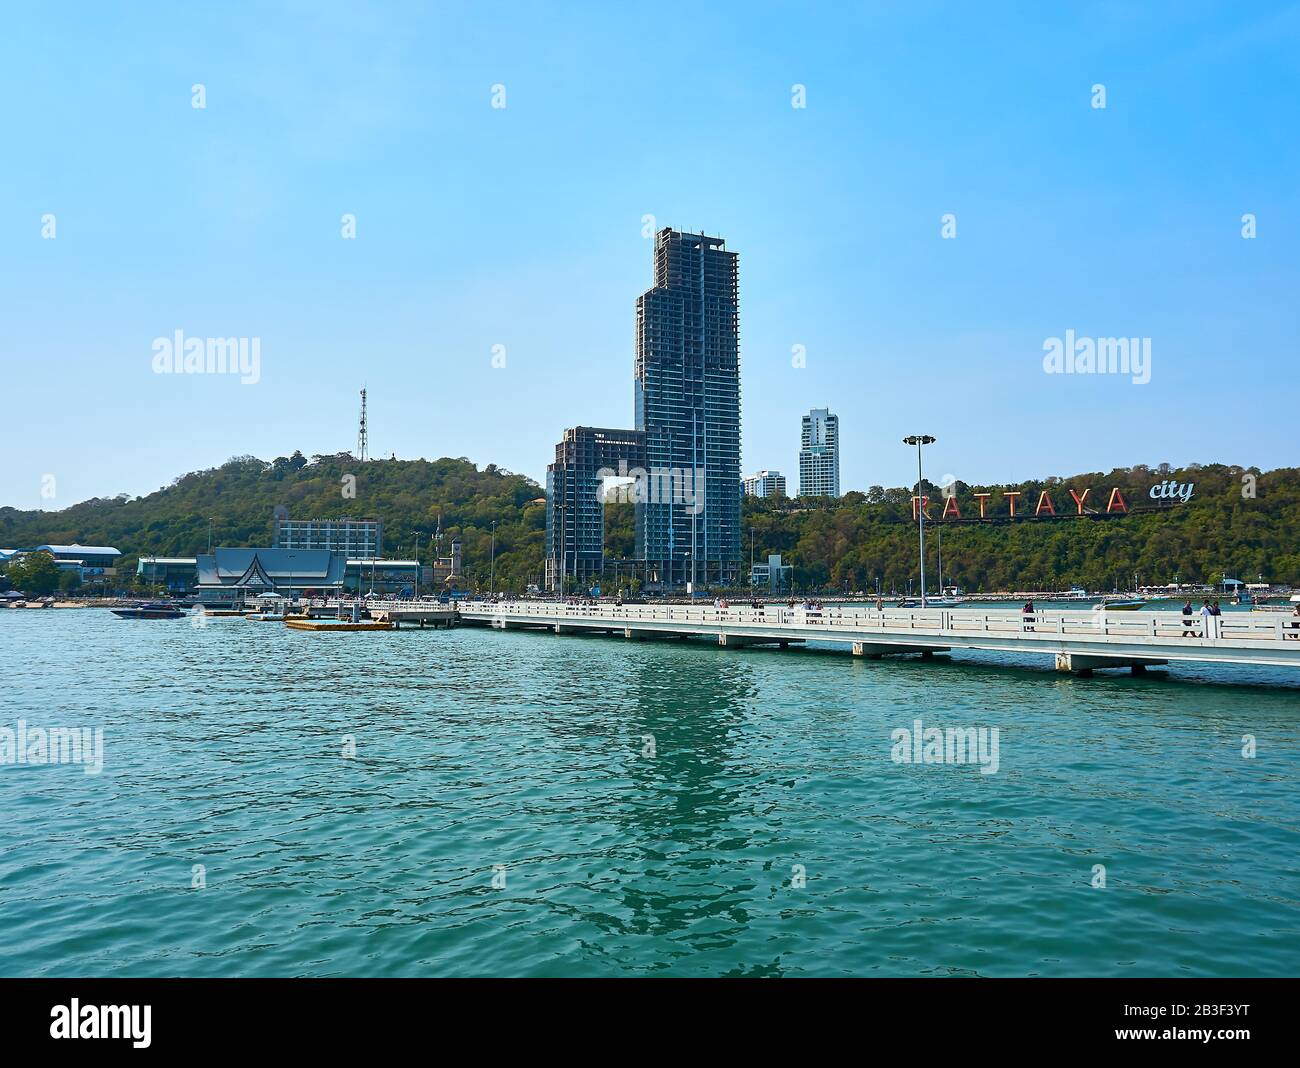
[{"x": 230, "y": 573}]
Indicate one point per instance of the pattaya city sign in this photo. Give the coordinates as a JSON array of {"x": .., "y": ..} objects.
[
  {"x": 1170, "y": 490},
  {"x": 1013, "y": 507},
  {"x": 1014, "y": 504}
]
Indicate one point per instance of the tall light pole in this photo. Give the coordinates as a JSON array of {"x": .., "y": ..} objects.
[
  {"x": 751, "y": 561},
  {"x": 415, "y": 551},
  {"x": 918, "y": 440},
  {"x": 492, "y": 582},
  {"x": 559, "y": 514}
]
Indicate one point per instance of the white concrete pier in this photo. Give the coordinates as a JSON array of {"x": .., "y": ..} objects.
[
  {"x": 1079, "y": 641},
  {"x": 419, "y": 613}
]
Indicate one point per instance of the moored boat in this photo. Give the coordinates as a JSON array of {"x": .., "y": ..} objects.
[
  {"x": 155, "y": 610},
  {"x": 336, "y": 625},
  {"x": 1119, "y": 604}
]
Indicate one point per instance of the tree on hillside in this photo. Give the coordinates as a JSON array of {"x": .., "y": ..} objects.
[{"x": 35, "y": 574}]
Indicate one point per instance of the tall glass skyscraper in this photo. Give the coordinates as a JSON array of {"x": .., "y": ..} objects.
[{"x": 687, "y": 397}]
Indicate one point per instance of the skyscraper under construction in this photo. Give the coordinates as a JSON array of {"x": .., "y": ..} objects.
[
  {"x": 684, "y": 455},
  {"x": 687, "y": 398}
]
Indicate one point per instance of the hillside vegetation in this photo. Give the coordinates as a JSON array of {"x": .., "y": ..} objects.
[{"x": 844, "y": 544}]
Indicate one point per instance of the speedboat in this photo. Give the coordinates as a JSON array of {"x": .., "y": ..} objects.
[
  {"x": 156, "y": 610},
  {"x": 1120, "y": 605}
]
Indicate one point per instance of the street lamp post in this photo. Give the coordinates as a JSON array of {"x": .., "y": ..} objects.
[
  {"x": 559, "y": 514},
  {"x": 415, "y": 551},
  {"x": 751, "y": 561},
  {"x": 918, "y": 440}
]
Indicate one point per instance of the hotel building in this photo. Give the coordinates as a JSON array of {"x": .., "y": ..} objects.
[
  {"x": 357, "y": 538},
  {"x": 764, "y": 484},
  {"x": 819, "y": 454}
]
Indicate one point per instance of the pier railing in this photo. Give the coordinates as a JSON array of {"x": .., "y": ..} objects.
[{"x": 1133, "y": 626}]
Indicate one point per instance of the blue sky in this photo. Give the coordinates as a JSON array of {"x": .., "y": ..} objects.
[{"x": 522, "y": 226}]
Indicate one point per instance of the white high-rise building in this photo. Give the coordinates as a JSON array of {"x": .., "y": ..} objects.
[
  {"x": 764, "y": 484},
  {"x": 358, "y": 538},
  {"x": 819, "y": 454}
]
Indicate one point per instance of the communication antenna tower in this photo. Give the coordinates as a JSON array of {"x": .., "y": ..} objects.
[{"x": 363, "y": 442}]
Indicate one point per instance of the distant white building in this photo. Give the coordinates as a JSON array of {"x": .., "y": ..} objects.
[
  {"x": 85, "y": 556},
  {"x": 358, "y": 538},
  {"x": 764, "y": 484},
  {"x": 819, "y": 454},
  {"x": 773, "y": 576}
]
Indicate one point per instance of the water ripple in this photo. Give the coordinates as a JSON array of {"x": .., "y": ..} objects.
[{"x": 652, "y": 808}]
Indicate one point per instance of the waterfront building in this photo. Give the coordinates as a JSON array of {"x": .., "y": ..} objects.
[
  {"x": 360, "y": 538},
  {"x": 87, "y": 557},
  {"x": 772, "y": 576},
  {"x": 687, "y": 403},
  {"x": 228, "y": 574},
  {"x": 177, "y": 573},
  {"x": 819, "y": 454},
  {"x": 764, "y": 484},
  {"x": 373, "y": 575},
  {"x": 575, "y": 499},
  {"x": 88, "y": 561}
]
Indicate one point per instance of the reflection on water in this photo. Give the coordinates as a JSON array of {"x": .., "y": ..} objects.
[{"x": 523, "y": 803}]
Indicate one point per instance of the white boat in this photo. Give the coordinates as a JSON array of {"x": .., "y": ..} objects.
[{"x": 1131, "y": 604}]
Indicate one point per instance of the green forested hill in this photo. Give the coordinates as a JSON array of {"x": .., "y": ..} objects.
[
  {"x": 240, "y": 498},
  {"x": 836, "y": 544},
  {"x": 849, "y": 542}
]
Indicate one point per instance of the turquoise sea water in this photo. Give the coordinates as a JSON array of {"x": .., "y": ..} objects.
[{"x": 482, "y": 754}]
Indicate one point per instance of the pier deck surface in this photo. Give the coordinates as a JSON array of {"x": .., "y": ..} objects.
[{"x": 1078, "y": 639}]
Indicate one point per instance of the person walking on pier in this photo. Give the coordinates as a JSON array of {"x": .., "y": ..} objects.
[
  {"x": 1028, "y": 613},
  {"x": 1189, "y": 614},
  {"x": 1294, "y": 632},
  {"x": 1207, "y": 616}
]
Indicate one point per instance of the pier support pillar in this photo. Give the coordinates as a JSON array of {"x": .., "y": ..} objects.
[
  {"x": 1083, "y": 664},
  {"x": 739, "y": 641},
  {"x": 875, "y": 650}
]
